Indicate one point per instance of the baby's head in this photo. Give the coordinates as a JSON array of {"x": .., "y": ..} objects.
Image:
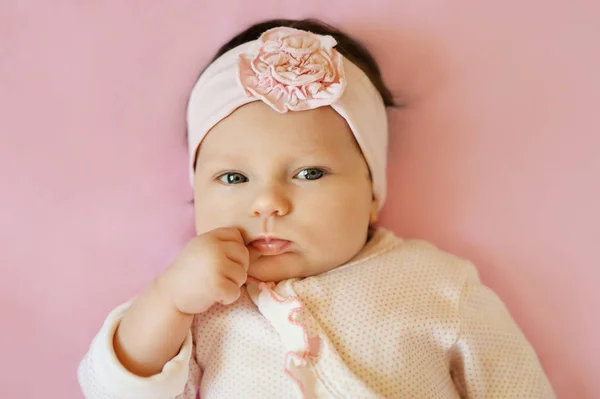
[{"x": 301, "y": 173}]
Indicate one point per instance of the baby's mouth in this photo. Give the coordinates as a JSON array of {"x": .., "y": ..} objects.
[{"x": 268, "y": 246}]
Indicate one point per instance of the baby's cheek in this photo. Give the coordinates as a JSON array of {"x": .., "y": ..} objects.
[
  {"x": 211, "y": 214},
  {"x": 348, "y": 227},
  {"x": 339, "y": 226}
]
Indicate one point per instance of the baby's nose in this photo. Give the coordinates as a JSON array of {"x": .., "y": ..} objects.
[{"x": 270, "y": 203}]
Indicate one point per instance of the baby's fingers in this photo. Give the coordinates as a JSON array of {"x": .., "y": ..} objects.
[
  {"x": 227, "y": 291},
  {"x": 235, "y": 272},
  {"x": 228, "y": 234},
  {"x": 237, "y": 253}
]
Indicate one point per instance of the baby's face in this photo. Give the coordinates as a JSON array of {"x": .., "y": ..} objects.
[{"x": 298, "y": 178}]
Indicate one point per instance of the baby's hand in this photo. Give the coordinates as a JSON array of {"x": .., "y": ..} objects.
[{"x": 211, "y": 268}]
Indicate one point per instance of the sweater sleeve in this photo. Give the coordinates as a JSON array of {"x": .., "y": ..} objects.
[
  {"x": 491, "y": 357},
  {"x": 101, "y": 375}
]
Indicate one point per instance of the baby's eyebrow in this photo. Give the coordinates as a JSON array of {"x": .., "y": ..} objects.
[
  {"x": 219, "y": 159},
  {"x": 303, "y": 157}
]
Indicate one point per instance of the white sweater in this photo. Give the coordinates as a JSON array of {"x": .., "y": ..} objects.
[{"x": 401, "y": 320}]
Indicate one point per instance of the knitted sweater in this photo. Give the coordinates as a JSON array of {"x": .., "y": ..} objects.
[{"x": 403, "y": 319}]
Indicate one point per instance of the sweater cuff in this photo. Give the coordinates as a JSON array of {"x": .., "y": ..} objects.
[{"x": 170, "y": 382}]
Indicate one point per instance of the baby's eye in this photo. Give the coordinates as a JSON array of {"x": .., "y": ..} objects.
[
  {"x": 232, "y": 178},
  {"x": 310, "y": 174}
]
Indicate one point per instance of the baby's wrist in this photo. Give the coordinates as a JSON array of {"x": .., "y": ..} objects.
[{"x": 162, "y": 289}]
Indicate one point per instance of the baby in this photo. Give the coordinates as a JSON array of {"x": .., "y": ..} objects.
[{"x": 288, "y": 290}]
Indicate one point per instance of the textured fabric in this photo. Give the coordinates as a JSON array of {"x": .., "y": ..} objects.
[
  {"x": 218, "y": 92},
  {"x": 102, "y": 376},
  {"x": 402, "y": 320},
  {"x": 293, "y": 70}
]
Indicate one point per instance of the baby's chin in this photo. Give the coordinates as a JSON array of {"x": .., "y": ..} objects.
[{"x": 279, "y": 267}]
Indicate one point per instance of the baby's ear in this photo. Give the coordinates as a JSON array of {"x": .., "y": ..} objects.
[{"x": 374, "y": 213}]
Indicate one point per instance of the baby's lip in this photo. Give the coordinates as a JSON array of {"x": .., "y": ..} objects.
[
  {"x": 270, "y": 245},
  {"x": 266, "y": 237}
]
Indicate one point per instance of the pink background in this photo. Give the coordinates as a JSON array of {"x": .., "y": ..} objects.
[{"x": 495, "y": 158}]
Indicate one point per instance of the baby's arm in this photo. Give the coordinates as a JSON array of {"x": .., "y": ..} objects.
[
  {"x": 150, "y": 333},
  {"x": 491, "y": 357},
  {"x": 144, "y": 350},
  {"x": 103, "y": 376}
]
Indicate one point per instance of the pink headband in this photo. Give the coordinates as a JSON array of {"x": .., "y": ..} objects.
[{"x": 292, "y": 70}]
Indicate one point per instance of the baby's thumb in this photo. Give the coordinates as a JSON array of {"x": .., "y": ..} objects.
[{"x": 253, "y": 255}]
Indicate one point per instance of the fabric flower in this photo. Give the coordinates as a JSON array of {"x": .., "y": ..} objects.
[{"x": 293, "y": 70}]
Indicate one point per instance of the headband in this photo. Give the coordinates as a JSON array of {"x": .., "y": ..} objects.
[{"x": 292, "y": 70}]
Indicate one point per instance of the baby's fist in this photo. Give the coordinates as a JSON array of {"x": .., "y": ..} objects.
[{"x": 211, "y": 268}]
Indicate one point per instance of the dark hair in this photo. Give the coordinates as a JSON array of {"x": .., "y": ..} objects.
[{"x": 350, "y": 48}]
